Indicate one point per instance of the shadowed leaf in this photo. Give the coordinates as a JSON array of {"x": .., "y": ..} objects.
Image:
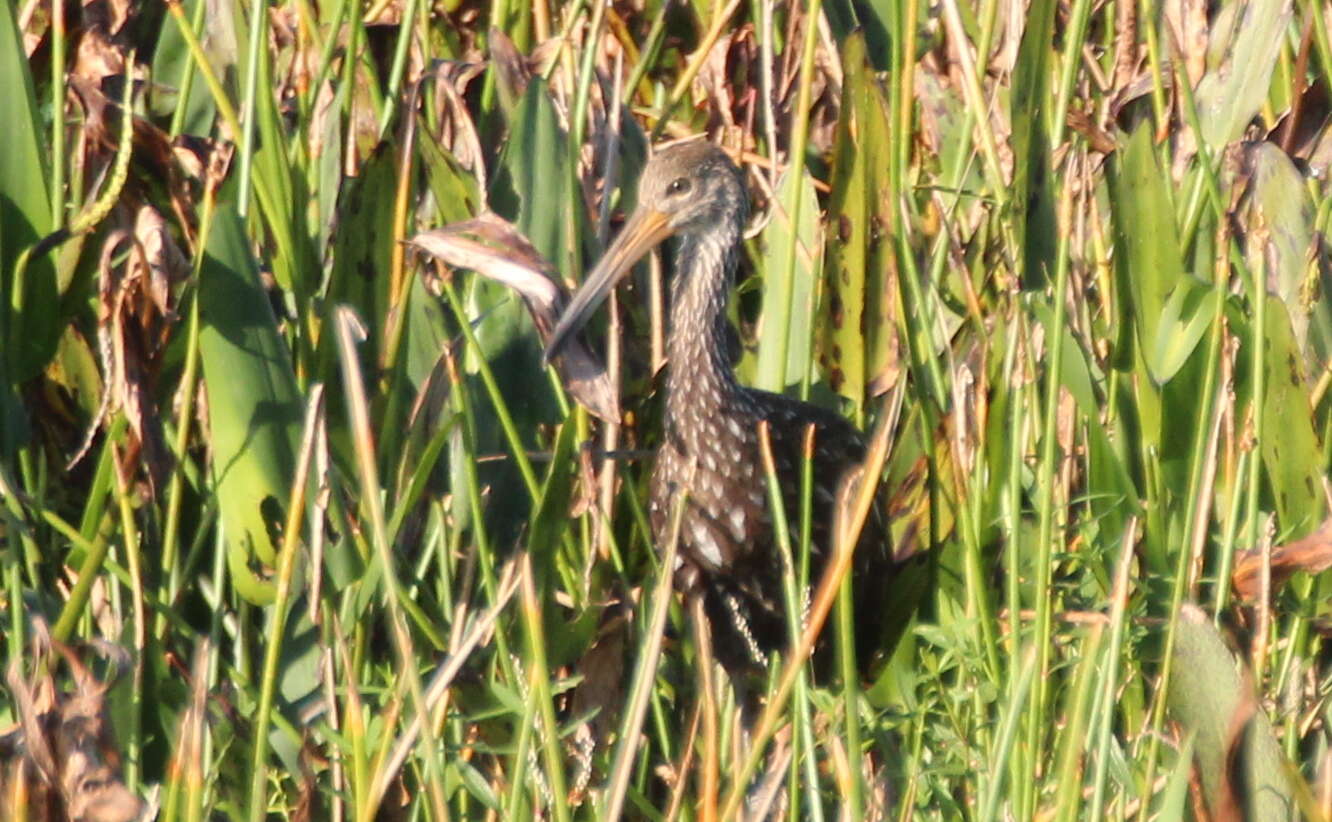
[
  {"x": 25, "y": 217},
  {"x": 254, "y": 408}
]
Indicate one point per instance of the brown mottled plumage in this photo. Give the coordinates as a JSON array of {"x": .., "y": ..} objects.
[{"x": 692, "y": 192}]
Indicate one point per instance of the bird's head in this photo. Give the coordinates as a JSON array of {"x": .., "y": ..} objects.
[{"x": 688, "y": 188}]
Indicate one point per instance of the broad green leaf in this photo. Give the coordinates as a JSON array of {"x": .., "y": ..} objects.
[
  {"x": 1074, "y": 376},
  {"x": 1280, "y": 203},
  {"x": 957, "y": 146},
  {"x": 553, "y": 507},
  {"x": 1247, "y": 37},
  {"x": 534, "y": 189},
  {"x": 455, "y": 191},
  {"x": 424, "y": 335},
  {"x": 74, "y": 367},
  {"x": 870, "y": 21},
  {"x": 566, "y": 640},
  {"x": 857, "y": 211},
  {"x": 23, "y": 164},
  {"x": 254, "y": 408},
  {"x": 300, "y": 675},
  {"x": 1207, "y": 696},
  {"x": 1032, "y": 195},
  {"x": 282, "y": 195},
  {"x": 410, "y": 451},
  {"x": 1176, "y": 792},
  {"x": 536, "y": 169},
  {"x": 362, "y": 249},
  {"x": 792, "y": 260},
  {"x": 1110, "y": 490},
  {"x": 475, "y": 782},
  {"x": 538, "y": 200},
  {"x": 1291, "y": 452},
  {"x": 29, "y": 336},
  {"x": 327, "y": 172},
  {"x": 545, "y": 207},
  {"x": 1147, "y": 252},
  {"x": 171, "y": 61}
]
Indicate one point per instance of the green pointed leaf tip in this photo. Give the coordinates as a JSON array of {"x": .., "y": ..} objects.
[{"x": 1188, "y": 313}]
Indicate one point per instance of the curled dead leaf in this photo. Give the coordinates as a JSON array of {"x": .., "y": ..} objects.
[
  {"x": 134, "y": 317},
  {"x": 1312, "y": 553},
  {"x": 493, "y": 248},
  {"x": 62, "y": 754},
  {"x": 512, "y": 70}
]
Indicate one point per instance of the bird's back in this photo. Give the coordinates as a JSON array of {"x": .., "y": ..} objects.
[{"x": 727, "y": 542}]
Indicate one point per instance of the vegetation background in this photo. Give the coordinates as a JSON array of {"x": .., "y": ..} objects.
[{"x": 1078, "y": 244}]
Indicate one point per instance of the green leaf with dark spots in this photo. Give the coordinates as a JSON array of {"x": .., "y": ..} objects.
[
  {"x": 1290, "y": 448},
  {"x": 362, "y": 249},
  {"x": 1280, "y": 202},
  {"x": 254, "y": 408},
  {"x": 858, "y": 207},
  {"x": 1246, "y": 40}
]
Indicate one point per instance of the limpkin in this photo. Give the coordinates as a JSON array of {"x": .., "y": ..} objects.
[{"x": 710, "y": 447}]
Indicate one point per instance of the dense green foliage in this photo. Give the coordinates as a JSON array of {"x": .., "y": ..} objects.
[{"x": 364, "y": 552}]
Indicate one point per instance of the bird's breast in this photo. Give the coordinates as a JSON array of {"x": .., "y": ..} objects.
[{"x": 726, "y": 516}]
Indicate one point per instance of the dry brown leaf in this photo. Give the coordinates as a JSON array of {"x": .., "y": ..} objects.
[
  {"x": 1312, "y": 553},
  {"x": 1098, "y": 138},
  {"x": 493, "y": 248},
  {"x": 1126, "y": 45},
  {"x": 457, "y": 129},
  {"x": 63, "y": 755},
  {"x": 97, "y": 55},
  {"x": 134, "y": 317},
  {"x": 1187, "y": 20},
  {"x": 510, "y": 67},
  {"x": 714, "y": 76}
]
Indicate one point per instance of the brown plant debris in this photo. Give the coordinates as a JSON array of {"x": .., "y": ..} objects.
[
  {"x": 59, "y": 761},
  {"x": 1312, "y": 553}
]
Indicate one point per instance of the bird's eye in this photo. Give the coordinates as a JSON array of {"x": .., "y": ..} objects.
[{"x": 679, "y": 185}]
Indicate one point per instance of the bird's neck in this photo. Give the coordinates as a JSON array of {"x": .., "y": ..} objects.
[{"x": 700, "y": 380}]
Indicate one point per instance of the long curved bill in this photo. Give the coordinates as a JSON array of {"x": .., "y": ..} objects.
[{"x": 645, "y": 229}]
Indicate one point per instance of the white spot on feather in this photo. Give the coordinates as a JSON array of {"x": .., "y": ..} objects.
[
  {"x": 706, "y": 545},
  {"x": 737, "y": 517}
]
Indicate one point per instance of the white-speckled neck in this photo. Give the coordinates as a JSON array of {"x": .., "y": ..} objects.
[{"x": 700, "y": 382}]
